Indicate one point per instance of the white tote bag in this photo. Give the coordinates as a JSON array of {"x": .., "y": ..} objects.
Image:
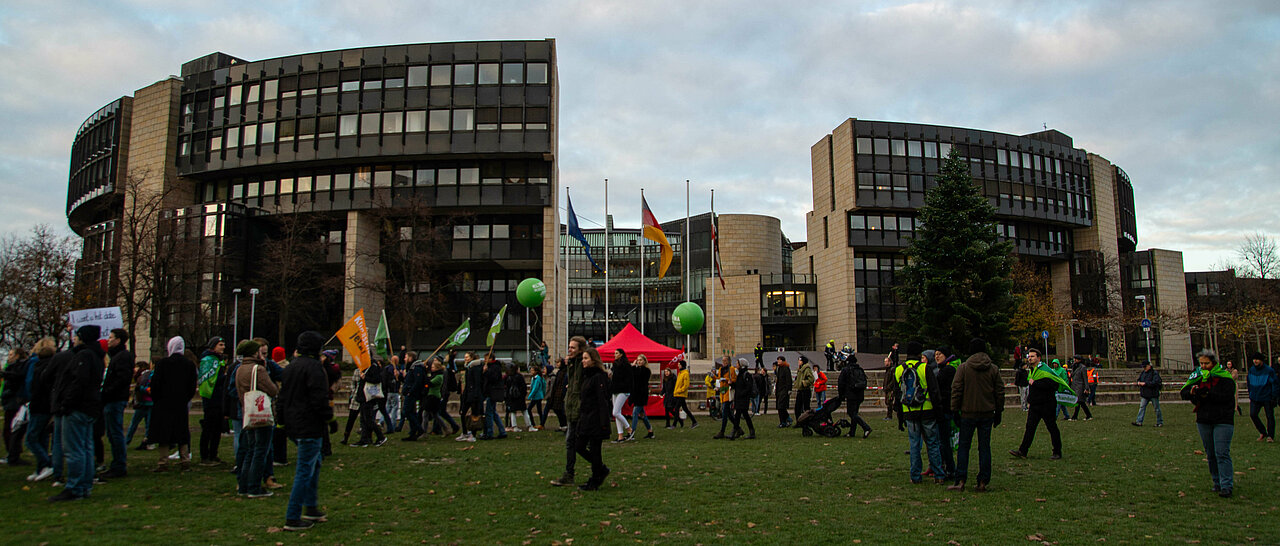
[{"x": 257, "y": 406}]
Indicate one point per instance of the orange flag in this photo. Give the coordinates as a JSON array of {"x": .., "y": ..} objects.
[{"x": 354, "y": 336}]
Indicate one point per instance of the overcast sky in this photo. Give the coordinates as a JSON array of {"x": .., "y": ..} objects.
[{"x": 1184, "y": 96}]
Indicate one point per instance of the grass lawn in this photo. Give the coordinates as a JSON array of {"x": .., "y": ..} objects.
[{"x": 1116, "y": 484}]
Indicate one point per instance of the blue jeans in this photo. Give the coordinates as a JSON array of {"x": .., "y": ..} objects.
[
  {"x": 38, "y": 432},
  {"x": 140, "y": 414},
  {"x": 77, "y": 445},
  {"x": 1063, "y": 409},
  {"x": 306, "y": 478},
  {"x": 59, "y": 457},
  {"x": 237, "y": 446},
  {"x": 755, "y": 404},
  {"x": 256, "y": 442},
  {"x": 967, "y": 426},
  {"x": 925, "y": 430},
  {"x": 638, "y": 413},
  {"x": 113, "y": 421},
  {"x": 491, "y": 418},
  {"x": 1217, "y": 447},
  {"x": 1142, "y": 411},
  {"x": 395, "y": 419}
]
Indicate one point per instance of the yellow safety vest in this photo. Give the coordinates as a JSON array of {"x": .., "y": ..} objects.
[{"x": 922, "y": 374}]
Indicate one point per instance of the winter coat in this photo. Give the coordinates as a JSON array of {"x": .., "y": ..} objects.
[
  {"x": 946, "y": 374},
  {"x": 1263, "y": 384},
  {"x": 415, "y": 381},
  {"x": 495, "y": 386},
  {"x": 537, "y": 388},
  {"x": 42, "y": 384},
  {"x": 573, "y": 388},
  {"x": 78, "y": 387},
  {"x": 1215, "y": 400},
  {"x": 977, "y": 391},
  {"x": 15, "y": 378},
  {"x": 173, "y": 385},
  {"x": 804, "y": 376},
  {"x": 782, "y": 379},
  {"x": 640, "y": 385},
  {"x": 744, "y": 388},
  {"x": 244, "y": 380},
  {"x": 304, "y": 406},
  {"x": 1079, "y": 381},
  {"x": 1153, "y": 383},
  {"x": 473, "y": 387},
  {"x": 620, "y": 383},
  {"x": 762, "y": 384},
  {"x": 115, "y": 386},
  {"x": 594, "y": 410},
  {"x": 820, "y": 384},
  {"x": 852, "y": 386},
  {"x": 1042, "y": 397},
  {"x": 682, "y": 384},
  {"x": 515, "y": 392}
]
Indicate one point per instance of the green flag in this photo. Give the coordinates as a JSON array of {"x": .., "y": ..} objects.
[
  {"x": 1065, "y": 395},
  {"x": 1200, "y": 375},
  {"x": 382, "y": 339},
  {"x": 460, "y": 335},
  {"x": 497, "y": 325}
]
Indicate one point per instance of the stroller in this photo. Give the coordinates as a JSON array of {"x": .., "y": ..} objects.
[{"x": 819, "y": 420}]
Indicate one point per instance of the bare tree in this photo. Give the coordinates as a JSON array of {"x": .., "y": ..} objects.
[
  {"x": 38, "y": 286},
  {"x": 1259, "y": 257},
  {"x": 142, "y": 257},
  {"x": 297, "y": 283}
]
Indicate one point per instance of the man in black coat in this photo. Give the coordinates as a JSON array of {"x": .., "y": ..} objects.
[
  {"x": 76, "y": 400},
  {"x": 1043, "y": 406},
  {"x": 782, "y": 390},
  {"x": 414, "y": 389},
  {"x": 495, "y": 390},
  {"x": 115, "y": 396},
  {"x": 852, "y": 387},
  {"x": 306, "y": 411}
]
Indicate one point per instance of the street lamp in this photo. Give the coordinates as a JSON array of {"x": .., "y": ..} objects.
[
  {"x": 1146, "y": 323},
  {"x": 235, "y": 315},
  {"x": 253, "y": 302}
]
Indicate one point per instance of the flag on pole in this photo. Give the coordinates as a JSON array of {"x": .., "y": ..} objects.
[
  {"x": 382, "y": 339},
  {"x": 460, "y": 335},
  {"x": 576, "y": 233},
  {"x": 715, "y": 249},
  {"x": 496, "y": 326},
  {"x": 653, "y": 232},
  {"x": 354, "y": 336}
]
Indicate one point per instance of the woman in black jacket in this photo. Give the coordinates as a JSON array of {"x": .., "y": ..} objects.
[
  {"x": 173, "y": 384},
  {"x": 639, "y": 397},
  {"x": 620, "y": 388},
  {"x": 1213, "y": 393},
  {"x": 669, "y": 405},
  {"x": 743, "y": 391},
  {"x": 593, "y": 417}
]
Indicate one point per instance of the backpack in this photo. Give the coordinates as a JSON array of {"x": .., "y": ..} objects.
[
  {"x": 514, "y": 392},
  {"x": 913, "y": 391}
]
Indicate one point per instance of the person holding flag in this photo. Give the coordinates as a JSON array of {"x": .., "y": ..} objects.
[
  {"x": 1043, "y": 405},
  {"x": 1213, "y": 392}
]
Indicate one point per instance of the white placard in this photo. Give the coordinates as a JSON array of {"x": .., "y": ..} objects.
[{"x": 105, "y": 317}]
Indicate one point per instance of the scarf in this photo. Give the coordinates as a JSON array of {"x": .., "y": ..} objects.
[
  {"x": 176, "y": 346},
  {"x": 1200, "y": 375}
]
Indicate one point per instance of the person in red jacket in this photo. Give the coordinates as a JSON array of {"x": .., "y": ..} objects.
[{"x": 820, "y": 386}]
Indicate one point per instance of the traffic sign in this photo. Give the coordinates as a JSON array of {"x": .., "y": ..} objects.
[
  {"x": 1044, "y": 334},
  {"x": 1146, "y": 324}
]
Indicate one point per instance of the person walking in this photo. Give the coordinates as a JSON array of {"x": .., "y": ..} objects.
[
  {"x": 805, "y": 379},
  {"x": 1091, "y": 376},
  {"x": 1020, "y": 381},
  {"x": 1149, "y": 385},
  {"x": 669, "y": 406},
  {"x": 593, "y": 418},
  {"x": 173, "y": 383},
  {"x": 977, "y": 397},
  {"x": 1061, "y": 371},
  {"x": 681, "y": 394},
  {"x": 572, "y": 368},
  {"x": 782, "y": 383},
  {"x": 142, "y": 403},
  {"x": 472, "y": 397},
  {"x": 306, "y": 411},
  {"x": 1042, "y": 405},
  {"x": 1213, "y": 393},
  {"x": 212, "y": 375},
  {"x": 40, "y": 424},
  {"x": 115, "y": 396},
  {"x": 760, "y": 403},
  {"x": 1263, "y": 386},
  {"x": 75, "y": 400},
  {"x": 621, "y": 385},
  {"x": 516, "y": 393},
  {"x": 559, "y": 384},
  {"x": 368, "y": 392},
  {"x": 919, "y": 391},
  {"x": 252, "y": 375},
  {"x": 538, "y": 394},
  {"x": 413, "y": 390},
  {"x": 852, "y": 388},
  {"x": 433, "y": 404},
  {"x": 639, "y": 397},
  {"x": 726, "y": 377},
  {"x": 744, "y": 387},
  {"x": 1079, "y": 383},
  {"x": 495, "y": 391}
]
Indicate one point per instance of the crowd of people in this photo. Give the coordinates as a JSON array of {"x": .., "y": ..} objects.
[{"x": 60, "y": 405}]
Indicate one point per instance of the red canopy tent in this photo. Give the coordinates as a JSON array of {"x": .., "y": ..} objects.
[{"x": 635, "y": 343}]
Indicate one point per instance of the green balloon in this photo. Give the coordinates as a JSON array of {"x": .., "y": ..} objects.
[
  {"x": 687, "y": 318},
  {"x": 531, "y": 292}
]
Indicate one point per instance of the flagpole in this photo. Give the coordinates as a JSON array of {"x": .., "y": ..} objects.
[
  {"x": 687, "y": 254},
  {"x": 564, "y": 245},
  {"x": 711, "y": 331},
  {"x": 642, "y": 262},
  {"x": 606, "y": 260}
]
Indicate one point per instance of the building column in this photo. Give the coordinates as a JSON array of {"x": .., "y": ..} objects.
[{"x": 363, "y": 273}]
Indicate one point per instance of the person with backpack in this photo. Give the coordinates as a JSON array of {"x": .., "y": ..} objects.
[
  {"x": 1263, "y": 384},
  {"x": 517, "y": 390},
  {"x": 977, "y": 397},
  {"x": 782, "y": 384},
  {"x": 804, "y": 385},
  {"x": 919, "y": 391},
  {"x": 1042, "y": 404},
  {"x": 1149, "y": 385},
  {"x": 141, "y": 404},
  {"x": 852, "y": 388}
]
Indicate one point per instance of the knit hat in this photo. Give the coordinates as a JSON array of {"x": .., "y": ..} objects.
[
  {"x": 89, "y": 333},
  {"x": 247, "y": 347},
  {"x": 277, "y": 354},
  {"x": 946, "y": 351},
  {"x": 914, "y": 348},
  {"x": 977, "y": 345},
  {"x": 309, "y": 343}
]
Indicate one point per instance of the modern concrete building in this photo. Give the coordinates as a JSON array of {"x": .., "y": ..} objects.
[
  {"x": 418, "y": 178},
  {"x": 1066, "y": 210}
]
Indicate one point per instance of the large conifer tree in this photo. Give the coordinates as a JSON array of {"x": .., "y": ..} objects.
[{"x": 956, "y": 284}]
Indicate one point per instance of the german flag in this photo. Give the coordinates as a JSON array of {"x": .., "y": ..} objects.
[{"x": 653, "y": 232}]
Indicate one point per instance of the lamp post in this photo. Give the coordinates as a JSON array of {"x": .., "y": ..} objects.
[
  {"x": 235, "y": 316},
  {"x": 1146, "y": 324},
  {"x": 253, "y": 302}
]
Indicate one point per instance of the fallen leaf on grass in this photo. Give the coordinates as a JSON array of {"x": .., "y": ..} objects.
[
  {"x": 1181, "y": 494},
  {"x": 1040, "y": 500},
  {"x": 1198, "y": 452},
  {"x": 274, "y": 529},
  {"x": 751, "y": 525},
  {"x": 1036, "y": 537}
]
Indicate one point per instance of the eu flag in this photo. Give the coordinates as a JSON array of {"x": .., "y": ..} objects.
[{"x": 576, "y": 233}]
